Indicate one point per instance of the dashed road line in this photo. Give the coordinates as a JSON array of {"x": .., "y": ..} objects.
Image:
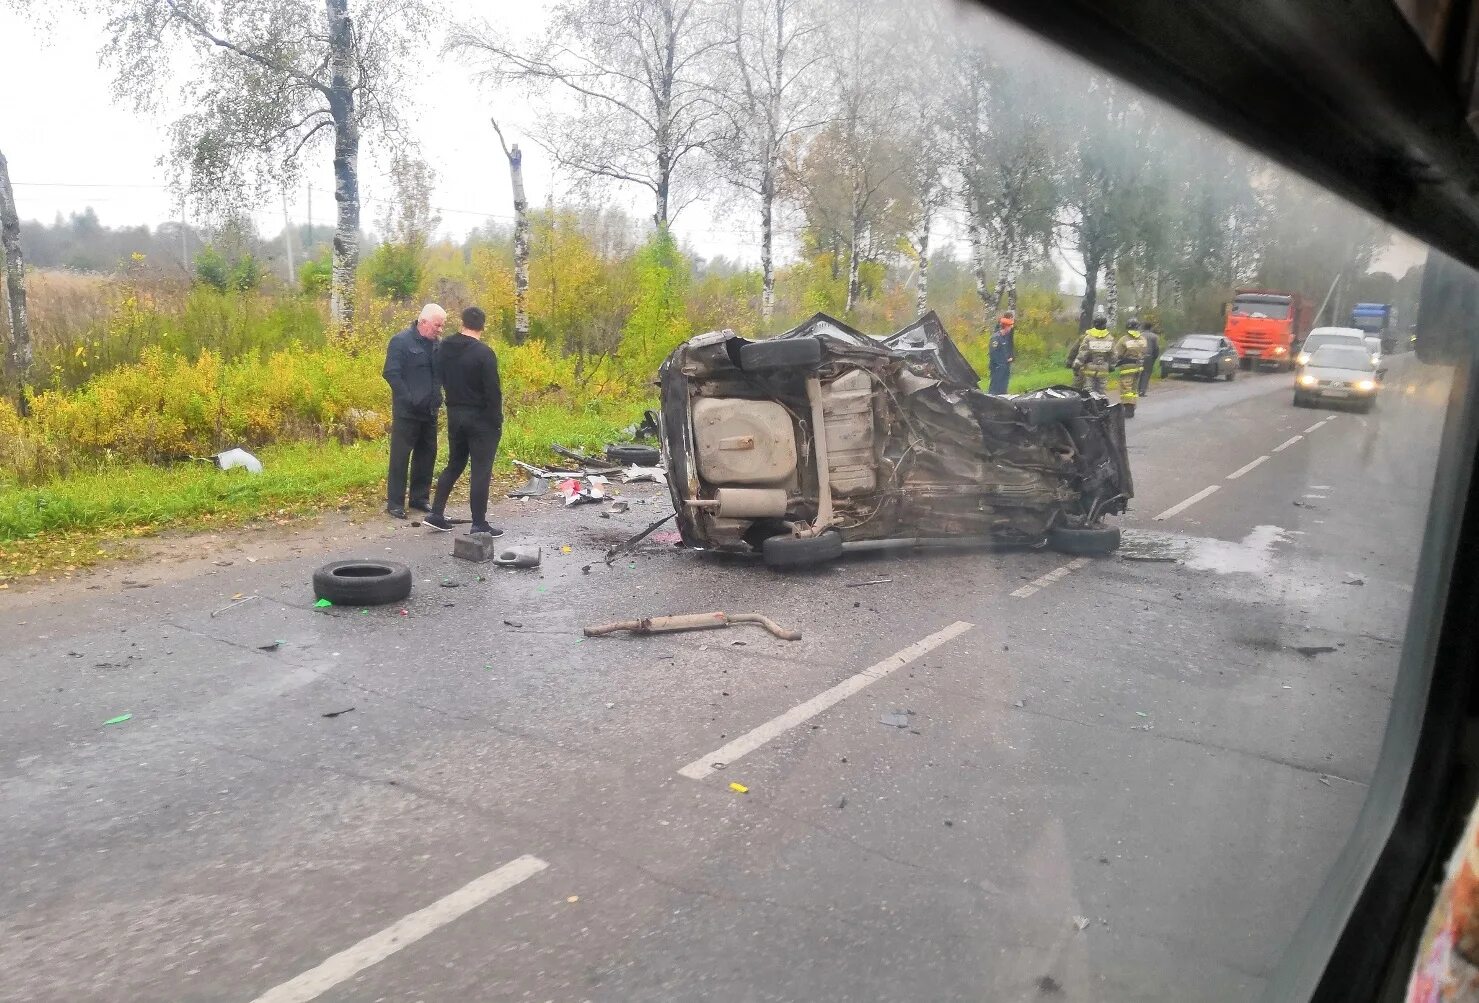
[
  {"x": 1315, "y": 426},
  {"x": 1287, "y": 443},
  {"x": 755, "y": 738},
  {"x": 402, "y": 933},
  {"x": 1182, "y": 506},
  {"x": 1246, "y": 467},
  {"x": 1044, "y": 580}
]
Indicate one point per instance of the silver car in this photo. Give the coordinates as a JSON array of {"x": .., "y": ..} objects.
[
  {"x": 1339, "y": 373},
  {"x": 1321, "y": 336}
]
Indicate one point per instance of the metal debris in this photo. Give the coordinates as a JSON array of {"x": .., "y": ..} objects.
[{"x": 691, "y": 621}]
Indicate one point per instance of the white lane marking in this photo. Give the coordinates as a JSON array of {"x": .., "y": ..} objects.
[
  {"x": 1044, "y": 580},
  {"x": 1188, "y": 503},
  {"x": 1319, "y": 487},
  {"x": 1246, "y": 467},
  {"x": 1287, "y": 443},
  {"x": 1078, "y": 562},
  {"x": 1321, "y": 497},
  {"x": 1025, "y": 591},
  {"x": 754, "y": 739},
  {"x": 402, "y": 933},
  {"x": 1313, "y": 427}
]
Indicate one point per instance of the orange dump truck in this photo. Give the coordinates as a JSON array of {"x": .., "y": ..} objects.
[{"x": 1267, "y": 326}]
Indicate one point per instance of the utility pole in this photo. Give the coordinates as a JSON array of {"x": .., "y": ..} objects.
[{"x": 287, "y": 238}]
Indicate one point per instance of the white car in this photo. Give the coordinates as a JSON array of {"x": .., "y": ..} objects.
[
  {"x": 1373, "y": 344},
  {"x": 1321, "y": 336}
]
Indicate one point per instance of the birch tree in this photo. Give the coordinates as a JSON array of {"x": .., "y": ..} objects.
[
  {"x": 639, "y": 77},
  {"x": 521, "y": 237},
  {"x": 270, "y": 82},
  {"x": 18, "y": 358},
  {"x": 1004, "y": 152},
  {"x": 772, "y": 64}
]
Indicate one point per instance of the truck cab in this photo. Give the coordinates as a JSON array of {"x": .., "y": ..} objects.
[{"x": 1266, "y": 325}]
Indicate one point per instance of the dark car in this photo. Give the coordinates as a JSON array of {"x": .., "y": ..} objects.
[
  {"x": 1208, "y": 355},
  {"x": 824, "y": 439}
]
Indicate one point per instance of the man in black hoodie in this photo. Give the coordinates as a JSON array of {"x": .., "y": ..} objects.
[
  {"x": 469, "y": 373},
  {"x": 415, "y": 400}
]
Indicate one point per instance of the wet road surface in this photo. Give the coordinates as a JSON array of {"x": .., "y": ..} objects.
[{"x": 1115, "y": 779}]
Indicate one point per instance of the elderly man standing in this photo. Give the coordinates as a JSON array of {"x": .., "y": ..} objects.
[{"x": 415, "y": 401}]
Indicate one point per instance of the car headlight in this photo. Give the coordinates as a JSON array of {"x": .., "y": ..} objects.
[
  {"x": 1307, "y": 381},
  {"x": 1366, "y": 385},
  {"x": 1303, "y": 358},
  {"x": 1376, "y": 360}
]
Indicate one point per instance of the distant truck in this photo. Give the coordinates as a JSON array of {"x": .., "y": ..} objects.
[
  {"x": 1380, "y": 320},
  {"x": 1267, "y": 326}
]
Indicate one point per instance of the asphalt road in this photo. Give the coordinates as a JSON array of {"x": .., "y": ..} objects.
[{"x": 1116, "y": 779}]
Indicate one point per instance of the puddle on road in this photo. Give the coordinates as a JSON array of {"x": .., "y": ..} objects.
[{"x": 1252, "y": 555}]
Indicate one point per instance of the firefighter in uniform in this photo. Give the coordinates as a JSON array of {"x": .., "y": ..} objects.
[
  {"x": 1093, "y": 357},
  {"x": 1131, "y": 350}
]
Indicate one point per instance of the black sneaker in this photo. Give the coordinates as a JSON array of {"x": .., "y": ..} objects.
[
  {"x": 395, "y": 511},
  {"x": 440, "y": 523},
  {"x": 483, "y": 529},
  {"x": 421, "y": 506}
]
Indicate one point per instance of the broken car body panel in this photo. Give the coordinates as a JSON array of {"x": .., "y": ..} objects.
[{"x": 909, "y": 446}]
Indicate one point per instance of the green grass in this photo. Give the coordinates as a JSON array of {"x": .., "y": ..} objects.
[
  {"x": 79, "y": 520},
  {"x": 1035, "y": 379}
]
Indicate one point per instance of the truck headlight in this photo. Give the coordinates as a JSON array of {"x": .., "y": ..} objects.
[{"x": 1280, "y": 350}]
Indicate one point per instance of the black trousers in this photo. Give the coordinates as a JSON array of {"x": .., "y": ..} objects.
[
  {"x": 471, "y": 438},
  {"x": 1145, "y": 375},
  {"x": 413, "y": 441}
]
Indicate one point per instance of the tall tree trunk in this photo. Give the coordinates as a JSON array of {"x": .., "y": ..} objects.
[
  {"x": 521, "y": 238},
  {"x": 852, "y": 268},
  {"x": 346, "y": 165},
  {"x": 922, "y": 300},
  {"x": 664, "y": 180},
  {"x": 1014, "y": 262},
  {"x": 978, "y": 256},
  {"x": 18, "y": 359},
  {"x": 1091, "y": 290},
  {"x": 767, "y": 235},
  {"x": 1111, "y": 292}
]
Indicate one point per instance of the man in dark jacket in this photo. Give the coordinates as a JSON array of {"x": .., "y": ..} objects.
[
  {"x": 1001, "y": 353},
  {"x": 1148, "y": 332},
  {"x": 415, "y": 400},
  {"x": 469, "y": 373}
]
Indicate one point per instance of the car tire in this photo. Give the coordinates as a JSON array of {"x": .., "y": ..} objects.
[
  {"x": 1232, "y": 374},
  {"x": 1090, "y": 541},
  {"x": 362, "y": 583},
  {"x": 642, "y": 456},
  {"x": 1299, "y": 400},
  {"x": 782, "y": 353},
  {"x": 800, "y": 552}
]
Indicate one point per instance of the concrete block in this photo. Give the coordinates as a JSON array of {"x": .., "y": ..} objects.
[{"x": 475, "y": 547}]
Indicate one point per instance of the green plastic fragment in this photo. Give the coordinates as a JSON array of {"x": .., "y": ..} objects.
[
  {"x": 119, "y": 719},
  {"x": 322, "y": 603}
]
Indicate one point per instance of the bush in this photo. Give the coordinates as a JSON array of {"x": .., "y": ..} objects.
[
  {"x": 212, "y": 269},
  {"x": 395, "y": 271},
  {"x": 315, "y": 276}
]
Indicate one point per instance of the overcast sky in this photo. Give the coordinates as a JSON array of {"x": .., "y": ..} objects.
[{"x": 70, "y": 145}]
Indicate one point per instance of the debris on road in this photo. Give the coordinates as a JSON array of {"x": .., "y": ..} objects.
[
  {"x": 336, "y": 713},
  {"x": 739, "y": 788},
  {"x": 1049, "y": 986},
  {"x": 237, "y": 600},
  {"x": 635, "y": 474},
  {"x": 362, "y": 582},
  {"x": 475, "y": 547},
  {"x": 519, "y": 557},
  {"x": 895, "y": 719},
  {"x": 618, "y": 507},
  {"x": 322, "y": 604},
  {"x": 1148, "y": 558},
  {"x": 572, "y": 899},
  {"x": 1080, "y": 923},
  {"x": 691, "y": 621},
  {"x": 1020, "y": 704},
  {"x": 578, "y": 494},
  {"x": 1311, "y": 650},
  {"x": 632, "y": 541},
  {"x": 119, "y": 719},
  {"x": 633, "y": 454},
  {"x": 1353, "y": 580},
  {"x": 644, "y": 429},
  {"x": 875, "y": 581},
  {"x": 271, "y": 647},
  {"x": 535, "y": 487}
]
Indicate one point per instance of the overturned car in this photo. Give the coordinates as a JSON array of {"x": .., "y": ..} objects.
[{"x": 824, "y": 440}]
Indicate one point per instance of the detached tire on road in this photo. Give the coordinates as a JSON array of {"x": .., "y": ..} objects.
[
  {"x": 785, "y": 353},
  {"x": 362, "y": 583},
  {"x": 1092, "y": 541},
  {"x": 801, "y": 552},
  {"x": 642, "y": 456}
]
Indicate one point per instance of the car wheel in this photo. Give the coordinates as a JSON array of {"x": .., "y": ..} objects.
[
  {"x": 1299, "y": 400},
  {"x": 1091, "y": 541},
  {"x": 783, "y": 353},
  {"x": 362, "y": 583},
  {"x": 642, "y": 456},
  {"x": 800, "y": 552},
  {"x": 1232, "y": 374}
]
